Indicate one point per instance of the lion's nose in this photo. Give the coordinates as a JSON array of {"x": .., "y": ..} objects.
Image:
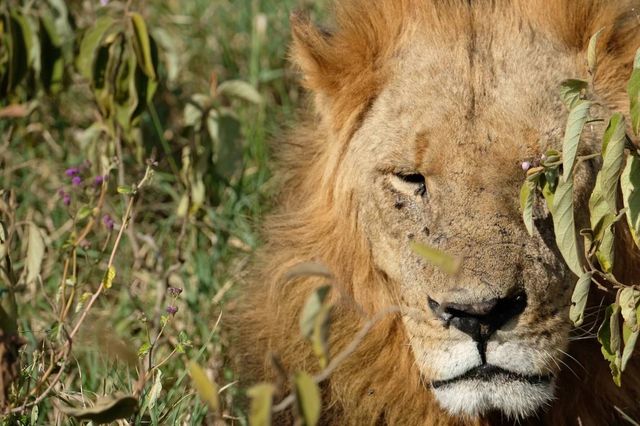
[{"x": 480, "y": 320}]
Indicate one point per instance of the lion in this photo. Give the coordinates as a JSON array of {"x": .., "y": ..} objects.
[{"x": 420, "y": 115}]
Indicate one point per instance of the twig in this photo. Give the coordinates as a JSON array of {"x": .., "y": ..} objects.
[
  {"x": 121, "y": 182},
  {"x": 95, "y": 296}
]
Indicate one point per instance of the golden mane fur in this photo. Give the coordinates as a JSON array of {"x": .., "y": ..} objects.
[{"x": 345, "y": 69}]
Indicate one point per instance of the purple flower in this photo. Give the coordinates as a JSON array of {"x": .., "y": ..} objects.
[
  {"x": 526, "y": 165},
  {"x": 175, "y": 291},
  {"x": 104, "y": 2},
  {"x": 172, "y": 309},
  {"x": 76, "y": 181},
  {"x": 97, "y": 181},
  {"x": 66, "y": 198},
  {"x": 108, "y": 222},
  {"x": 72, "y": 171}
]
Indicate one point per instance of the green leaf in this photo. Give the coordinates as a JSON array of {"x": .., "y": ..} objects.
[
  {"x": 308, "y": 397},
  {"x": 320, "y": 335},
  {"x": 605, "y": 253},
  {"x": 592, "y": 60},
  {"x": 89, "y": 45},
  {"x": 527, "y": 197},
  {"x": 51, "y": 59},
  {"x": 614, "y": 328},
  {"x": 571, "y": 92},
  {"x": 146, "y": 87},
  {"x": 441, "y": 260},
  {"x": 613, "y": 142},
  {"x": 84, "y": 212},
  {"x": 609, "y": 338},
  {"x": 154, "y": 392},
  {"x": 630, "y": 337},
  {"x": 106, "y": 410},
  {"x": 240, "y": 89},
  {"x": 207, "y": 390},
  {"x": 548, "y": 192},
  {"x": 213, "y": 127},
  {"x": 109, "y": 276},
  {"x": 633, "y": 90},
  {"x": 125, "y": 190},
  {"x": 193, "y": 116},
  {"x": 579, "y": 298},
  {"x": 144, "y": 349},
  {"x": 142, "y": 45},
  {"x": 312, "y": 309},
  {"x": 27, "y": 35},
  {"x": 551, "y": 179},
  {"x": 261, "y": 402},
  {"x": 184, "y": 340},
  {"x": 603, "y": 200},
  {"x": 108, "y": 60},
  {"x": 125, "y": 94},
  {"x": 198, "y": 194},
  {"x": 575, "y": 123},
  {"x": 35, "y": 254},
  {"x": 564, "y": 226},
  {"x": 630, "y": 185},
  {"x": 17, "y": 55},
  {"x": 629, "y": 304}
]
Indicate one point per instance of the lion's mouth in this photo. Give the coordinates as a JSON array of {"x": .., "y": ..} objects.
[{"x": 488, "y": 372}]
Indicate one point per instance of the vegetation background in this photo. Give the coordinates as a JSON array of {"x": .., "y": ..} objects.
[{"x": 67, "y": 166}]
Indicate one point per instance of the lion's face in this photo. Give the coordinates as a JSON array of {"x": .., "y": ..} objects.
[{"x": 437, "y": 160}]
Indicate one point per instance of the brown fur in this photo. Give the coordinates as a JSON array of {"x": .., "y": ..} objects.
[{"x": 316, "y": 219}]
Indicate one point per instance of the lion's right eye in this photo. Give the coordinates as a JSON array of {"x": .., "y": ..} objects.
[{"x": 416, "y": 180}]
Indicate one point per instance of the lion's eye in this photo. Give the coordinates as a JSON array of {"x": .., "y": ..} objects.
[{"x": 416, "y": 180}]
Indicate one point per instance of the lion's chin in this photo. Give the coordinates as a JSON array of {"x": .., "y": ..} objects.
[{"x": 489, "y": 389}]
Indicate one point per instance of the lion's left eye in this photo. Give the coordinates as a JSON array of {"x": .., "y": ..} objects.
[{"x": 415, "y": 180}]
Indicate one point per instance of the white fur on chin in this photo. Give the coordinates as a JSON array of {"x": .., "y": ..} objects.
[{"x": 516, "y": 399}]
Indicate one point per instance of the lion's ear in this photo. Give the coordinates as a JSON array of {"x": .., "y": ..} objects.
[
  {"x": 574, "y": 22},
  {"x": 310, "y": 51},
  {"x": 344, "y": 68}
]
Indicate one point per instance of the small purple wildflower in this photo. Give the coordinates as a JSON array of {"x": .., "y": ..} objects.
[
  {"x": 108, "y": 222},
  {"x": 76, "y": 181},
  {"x": 172, "y": 310},
  {"x": 98, "y": 180},
  {"x": 104, "y": 2},
  {"x": 72, "y": 171},
  {"x": 66, "y": 198},
  {"x": 526, "y": 165},
  {"x": 175, "y": 291}
]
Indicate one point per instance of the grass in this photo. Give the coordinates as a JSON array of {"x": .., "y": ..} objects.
[{"x": 204, "y": 251}]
